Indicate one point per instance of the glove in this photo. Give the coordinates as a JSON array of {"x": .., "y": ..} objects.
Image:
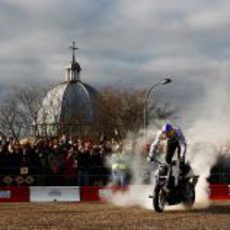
[{"x": 150, "y": 159}]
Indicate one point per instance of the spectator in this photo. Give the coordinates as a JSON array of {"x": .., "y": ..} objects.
[
  {"x": 119, "y": 165},
  {"x": 83, "y": 161},
  {"x": 70, "y": 167},
  {"x": 49, "y": 159}
]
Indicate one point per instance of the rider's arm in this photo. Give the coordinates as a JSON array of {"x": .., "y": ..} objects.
[
  {"x": 183, "y": 147},
  {"x": 154, "y": 146}
]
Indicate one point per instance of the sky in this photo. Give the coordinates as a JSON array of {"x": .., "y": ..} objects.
[{"x": 121, "y": 42}]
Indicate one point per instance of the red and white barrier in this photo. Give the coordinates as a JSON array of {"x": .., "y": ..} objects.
[
  {"x": 220, "y": 192},
  {"x": 14, "y": 194},
  {"x": 46, "y": 194},
  {"x": 82, "y": 194},
  {"x": 99, "y": 193},
  {"x": 90, "y": 193}
]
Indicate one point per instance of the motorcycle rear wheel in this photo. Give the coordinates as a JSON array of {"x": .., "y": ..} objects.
[{"x": 189, "y": 196}]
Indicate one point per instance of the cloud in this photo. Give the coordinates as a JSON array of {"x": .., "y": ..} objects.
[
  {"x": 121, "y": 42},
  {"x": 215, "y": 18}
]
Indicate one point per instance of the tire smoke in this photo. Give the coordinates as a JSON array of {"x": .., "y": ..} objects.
[{"x": 208, "y": 137}]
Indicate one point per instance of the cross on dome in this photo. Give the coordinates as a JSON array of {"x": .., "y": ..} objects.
[{"x": 74, "y": 48}]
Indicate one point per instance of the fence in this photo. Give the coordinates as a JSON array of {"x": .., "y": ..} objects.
[{"x": 84, "y": 193}]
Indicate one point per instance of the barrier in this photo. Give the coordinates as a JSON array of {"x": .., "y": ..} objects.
[
  {"x": 89, "y": 193},
  {"x": 220, "y": 192},
  {"x": 217, "y": 192},
  {"x": 83, "y": 194},
  {"x": 99, "y": 193},
  {"x": 43, "y": 194},
  {"x": 14, "y": 194}
]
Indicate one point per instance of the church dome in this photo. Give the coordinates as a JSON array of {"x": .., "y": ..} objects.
[
  {"x": 67, "y": 101},
  {"x": 70, "y": 104}
]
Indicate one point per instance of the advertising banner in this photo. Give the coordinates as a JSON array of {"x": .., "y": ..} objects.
[{"x": 46, "y": 194}]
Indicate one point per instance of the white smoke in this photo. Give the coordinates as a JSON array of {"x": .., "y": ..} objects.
[
  {"x": 138, "y": 193},
  {"x": 208, "y": 136}
]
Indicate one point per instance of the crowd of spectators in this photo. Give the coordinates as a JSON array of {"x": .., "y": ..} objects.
[
  {"x": 66, "y": 161},
  {"x": 54, "y": 161}
]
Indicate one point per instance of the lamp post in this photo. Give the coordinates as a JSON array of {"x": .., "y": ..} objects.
[{"x": 147, "y": 94}]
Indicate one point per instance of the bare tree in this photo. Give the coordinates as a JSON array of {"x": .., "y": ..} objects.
[
  {"x": 12, "y": 120},
  {"x": 20, "y": 108},
  {"x": 29, "y": 97},
  {"x": 122, "y": 109}
]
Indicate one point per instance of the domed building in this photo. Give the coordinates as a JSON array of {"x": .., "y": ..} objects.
[{"x": 71, "y": 107}]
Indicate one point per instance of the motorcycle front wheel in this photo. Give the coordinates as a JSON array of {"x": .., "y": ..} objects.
[{"x": 159, "y": 198}]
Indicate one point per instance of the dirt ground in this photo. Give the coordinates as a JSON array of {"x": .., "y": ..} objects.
[{"x": 106, "y": 216}]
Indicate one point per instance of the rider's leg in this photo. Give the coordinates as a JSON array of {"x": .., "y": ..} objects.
[{"x": 172, "y": 146}]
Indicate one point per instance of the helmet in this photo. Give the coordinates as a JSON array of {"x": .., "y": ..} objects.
[
  {"x": 167, "y": 127},
  {"x": 168, "y": 130}
]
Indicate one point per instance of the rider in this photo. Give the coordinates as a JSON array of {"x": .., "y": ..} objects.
[{"x": 175, "y": 141}]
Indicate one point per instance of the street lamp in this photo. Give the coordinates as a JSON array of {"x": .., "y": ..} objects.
[{"x": 146, "y": 97}]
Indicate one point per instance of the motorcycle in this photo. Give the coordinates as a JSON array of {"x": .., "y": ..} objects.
[{"x": 174, "y": 185}]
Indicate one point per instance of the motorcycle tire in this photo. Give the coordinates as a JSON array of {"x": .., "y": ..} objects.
[
  {"x": 159, "y": 198},
  {"x": 189, "y": 196}
]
